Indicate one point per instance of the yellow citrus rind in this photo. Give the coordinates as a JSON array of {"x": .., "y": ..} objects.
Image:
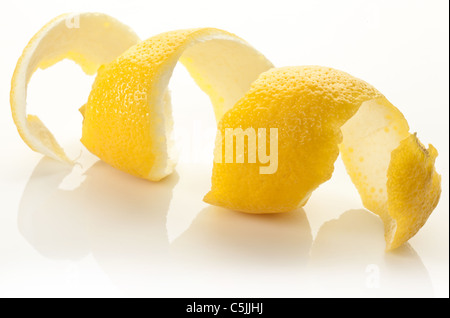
[
  {"x": 414, "y": 189},
  {"x": 317, "y": 112}
]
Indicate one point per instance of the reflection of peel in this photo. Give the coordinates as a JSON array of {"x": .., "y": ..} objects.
[
  {"x": 224, "y": 237},
  {"x": 223, "y": 249},
  {"x": 118, "y": 219},
  {"x": 348, "y": 259},
  {"x": 56, "y": 230}
]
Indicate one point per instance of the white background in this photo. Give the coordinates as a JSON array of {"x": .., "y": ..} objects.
[{"x": 98, "y": 232}]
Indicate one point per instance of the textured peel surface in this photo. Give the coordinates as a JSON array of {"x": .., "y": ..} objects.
[{"x": 414, "y": 189}]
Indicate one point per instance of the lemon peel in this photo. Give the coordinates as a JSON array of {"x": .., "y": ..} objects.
[
  {"x": 128, "y": 120},
  {"x": 318, "y": 112},
  {"x": 89, "y": 39},
  {"x": 393, "y": 172},
  {"x": 308, "y": 105}
]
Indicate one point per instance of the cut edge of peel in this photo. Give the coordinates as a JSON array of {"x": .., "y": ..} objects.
[{"x": 165, "y": 165}]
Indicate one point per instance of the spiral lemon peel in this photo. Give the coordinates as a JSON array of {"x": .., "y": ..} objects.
[{"x": 318, "y": 112}]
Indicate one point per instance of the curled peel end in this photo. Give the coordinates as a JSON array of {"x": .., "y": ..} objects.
[
  {"x": 393, "y": 172},
  {"x": 47, "y": 143},
  {"x": 414, "y": 189},
  {"x": 89, "y": 39}
]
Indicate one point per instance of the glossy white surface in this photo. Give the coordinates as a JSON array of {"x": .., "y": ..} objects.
[{"x": 95, "y": 231}]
